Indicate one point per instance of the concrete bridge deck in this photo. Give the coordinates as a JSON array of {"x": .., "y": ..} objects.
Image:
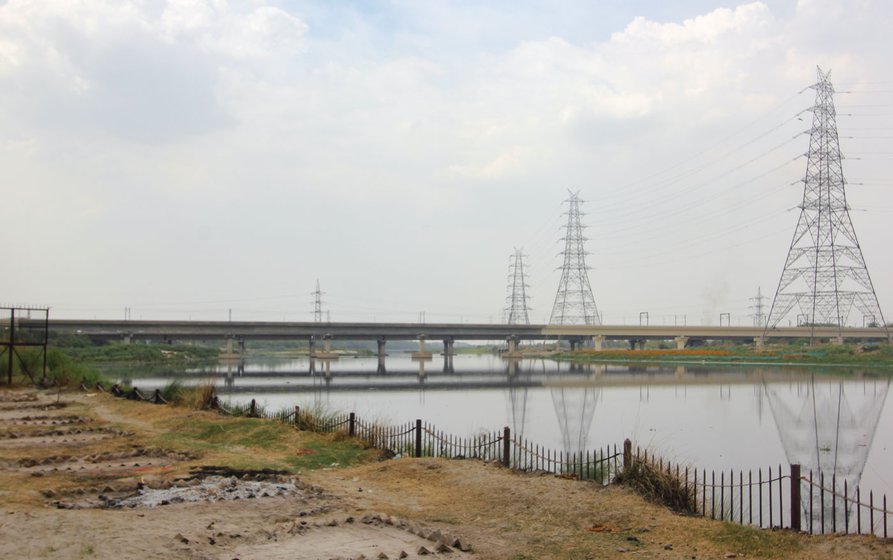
[{"x": 256, "y": 330}]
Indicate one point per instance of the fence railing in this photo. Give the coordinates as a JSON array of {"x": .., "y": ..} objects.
[
  {"x": 767, "y": 498},
  {"x": 772, "y": 498}
]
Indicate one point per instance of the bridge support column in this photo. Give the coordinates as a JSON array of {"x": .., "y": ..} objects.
[
  {"x": 575, "y": 344},
  {"x": 381, "y": 348},
  {"x": 326, "y": 353},
  {"x": 448, "y": 347},
  {"x": 311, "y": 345},
  {"x": 681, "y": 341},
  {"x": 838, "y": 340},
  {"x": 422, "y": 354},
  {"x": 128, "y": 339},
  {"x": 511, "y": 348},
  {"x": 598, "y": 342},
  {"x": 636, "y": 343},
  {"x": 242, "y": 346},
  {"x": 229, "y": 345},
  {"x": 759, "y": 343}
]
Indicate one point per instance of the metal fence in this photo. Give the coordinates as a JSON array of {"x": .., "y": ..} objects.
[
  {"x": 769, "y": 498},
  {"x": 772, "y": 498}
]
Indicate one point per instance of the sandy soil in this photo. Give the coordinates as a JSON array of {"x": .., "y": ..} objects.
[{"x": 91, "y": 499}]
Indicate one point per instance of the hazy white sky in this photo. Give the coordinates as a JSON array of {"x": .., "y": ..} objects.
[{"x": 184, "y": 158}]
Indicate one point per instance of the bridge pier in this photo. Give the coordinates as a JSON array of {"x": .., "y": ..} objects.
[
  {"x": 511, "y": 348},
  {"x": 759, "y": 343},
  {"x": 327, "y": 353},
  {"x": 448, "y": 364},
  {"x": 381, "y": 348},
  {"x": 575, "y": 344},
  {"x": 598, "y": 342},
  {"x": 128, "y": 339},
  {"x": 837, "y": 340},
  {"x": 681, "y": 341},
  {"x": 311, "y": 346},
  {"x": 636, "y": 343},
  {"x": 422, "y": 354},
  {"x": 448, "y": 344}
]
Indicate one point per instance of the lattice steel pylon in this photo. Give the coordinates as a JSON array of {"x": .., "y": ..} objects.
[
  {"x": 317, "y": 303},
  {"x": 574, "y": 302},
  {"x": 516, "y": 302},
  {"x": 824, "y": 275}
]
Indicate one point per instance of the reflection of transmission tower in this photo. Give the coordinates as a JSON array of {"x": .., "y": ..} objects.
[
  {"x": 317, "y": 303},
  {"x": 574, "y": 303},
  {"x": 516, "y": 310},
  {"x": 759, "y": 316},
  {"x": 828, "y": 428},
  {"x": 824, "y": 275}
]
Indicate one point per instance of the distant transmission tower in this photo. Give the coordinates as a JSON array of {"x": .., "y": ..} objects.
[
  {"x": 516, "y": 309},
  {"x": 759, "y": 315},
  {"x": 824, "y": 275},
  {"x": 317, "y": 303},
  {"x": 574, "y": 303}
]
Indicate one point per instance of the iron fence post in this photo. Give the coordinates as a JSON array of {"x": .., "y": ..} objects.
[
  {"x": 506, "y": 446},
  {"x": 253, "y": 410},
  {"x": 352, "y": 425},
  {"x": 297, "y": 415},
  {"x": 418, "y": 438},
  {"x": 627, "y": 453},
  {"x": 795, "y": 497}
]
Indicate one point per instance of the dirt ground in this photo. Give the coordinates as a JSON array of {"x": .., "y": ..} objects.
[{"x": 84, "y": 477}]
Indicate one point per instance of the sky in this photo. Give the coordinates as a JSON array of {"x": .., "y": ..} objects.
[{"x": 201, "y": 159}]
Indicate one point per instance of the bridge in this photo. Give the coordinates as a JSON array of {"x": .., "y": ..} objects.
[{"x": 448, "y": 333}]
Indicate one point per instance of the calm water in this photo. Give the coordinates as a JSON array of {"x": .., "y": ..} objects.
[{"x": 705, "y": 416}]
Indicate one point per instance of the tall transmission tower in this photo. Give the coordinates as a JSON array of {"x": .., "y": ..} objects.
[
  {"x": 317, "y": 303},
  {"x": 824, "y": 275},
  {"x": 759, "y": 314},
  {"x": 516, "y": 302},
  {"x": 574, "y": 302}
]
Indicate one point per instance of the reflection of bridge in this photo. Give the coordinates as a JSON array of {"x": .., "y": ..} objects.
[{"x": 447, "y": 332}]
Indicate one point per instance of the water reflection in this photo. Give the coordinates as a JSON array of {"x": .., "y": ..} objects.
[{"x": 828, "y": 428}]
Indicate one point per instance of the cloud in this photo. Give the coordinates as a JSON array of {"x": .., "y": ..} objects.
[{"x": 131, "y": 72}]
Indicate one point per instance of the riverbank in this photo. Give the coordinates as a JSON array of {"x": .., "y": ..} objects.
[
  {"x": 874, "y": 356},
  {"x": 69, "y": 460}
]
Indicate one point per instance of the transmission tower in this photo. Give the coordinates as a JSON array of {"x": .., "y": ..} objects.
[
  {"x": 574, "y": 303},
  {"x": 824, "y": 275},
  {"x": 317, "y": 303},
  {"x": 759, "y": 316},
  {"x": 516, "y": 308}
]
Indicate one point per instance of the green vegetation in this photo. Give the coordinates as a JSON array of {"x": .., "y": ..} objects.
[
  {"x": 658, "y": 485},
  {"x": 120, "y": 352},
  {"x": 213, "y": 435},
  {"x": 330, "y": 452},
  {"x": 758, "y": 543},
  {"x": 868, "y": 355}
]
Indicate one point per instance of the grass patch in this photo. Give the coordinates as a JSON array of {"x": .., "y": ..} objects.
[
  {"x": 209, "y": 434},
  {"x": 327, "y": 452},
  {"x": 756, "y": 542}
]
